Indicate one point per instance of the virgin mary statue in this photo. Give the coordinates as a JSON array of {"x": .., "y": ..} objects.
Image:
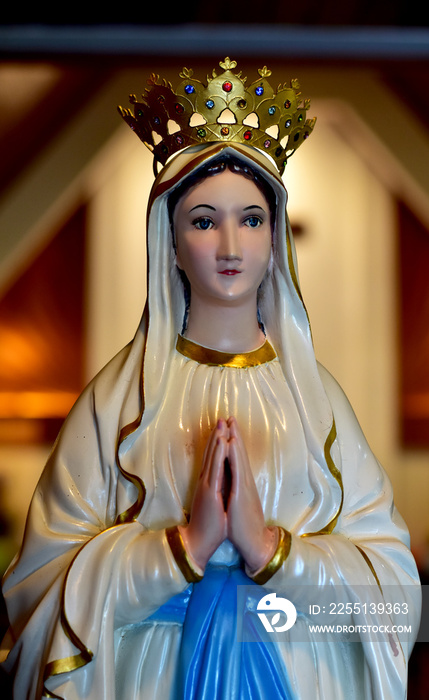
[{"x": 214, "y": 469}]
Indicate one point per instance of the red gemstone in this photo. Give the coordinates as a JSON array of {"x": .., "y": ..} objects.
[
  {"x": 247, "y": 135},
  {"x": 227, "y": 86}
]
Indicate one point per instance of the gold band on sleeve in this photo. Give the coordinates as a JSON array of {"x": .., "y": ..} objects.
[
  {"x": 279, "y": 556},
  {"x": 181, "y": 556}
]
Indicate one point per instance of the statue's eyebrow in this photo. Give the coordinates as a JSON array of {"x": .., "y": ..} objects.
[{"x": 208, "y": 206}]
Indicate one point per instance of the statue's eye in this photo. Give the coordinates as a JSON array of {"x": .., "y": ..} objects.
[
  {"x": 253, "y": 221},
  {"x": 204, "y": 223}
]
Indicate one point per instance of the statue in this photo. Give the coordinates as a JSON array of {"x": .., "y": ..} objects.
[{"x": 213, "y": 455}]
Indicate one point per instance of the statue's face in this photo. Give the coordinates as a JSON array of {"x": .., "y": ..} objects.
[{"x": 223, "y": 238}]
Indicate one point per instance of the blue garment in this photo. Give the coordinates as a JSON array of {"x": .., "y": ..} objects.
[{"x": 214, "y": 663}]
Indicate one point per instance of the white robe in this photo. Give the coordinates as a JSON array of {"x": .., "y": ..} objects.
[{"x": 83, "y": 587}]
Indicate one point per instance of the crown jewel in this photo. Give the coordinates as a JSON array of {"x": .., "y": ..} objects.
[{"x": 223, "y": 110}]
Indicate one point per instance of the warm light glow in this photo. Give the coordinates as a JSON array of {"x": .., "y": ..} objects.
[
  {"x": 36, "y": 404},
  {"x": 22, "y": 353}
]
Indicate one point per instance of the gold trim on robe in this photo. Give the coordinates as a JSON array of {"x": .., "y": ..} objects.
[
  {"x": 328, "y": 529},
  {"x": 207, "y": 356}
]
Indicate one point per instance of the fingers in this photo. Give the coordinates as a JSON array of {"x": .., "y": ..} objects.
[
  {"x": 242, "y": 476},
  {"x": 225, "y": 442},
  {"x": 234, "y": 463},
  {"x": 236, "y": 439},
  {"x": 215, "y": 473},
  {"x": 233, "y": 426},
  {"x": 221, "y": 431}
]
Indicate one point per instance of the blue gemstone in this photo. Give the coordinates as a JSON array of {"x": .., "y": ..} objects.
[
  {"x": 189, "y": 89},
  {"x": 210, "y": 104},
  {"x": 259, "y": 90},
  {"x": 271, "y": 110}
]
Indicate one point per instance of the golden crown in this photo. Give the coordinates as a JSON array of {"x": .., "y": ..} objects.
[{"x": 223, "y": 110}]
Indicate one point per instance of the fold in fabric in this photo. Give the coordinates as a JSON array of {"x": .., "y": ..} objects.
[{"x": 214, "y": 661}]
